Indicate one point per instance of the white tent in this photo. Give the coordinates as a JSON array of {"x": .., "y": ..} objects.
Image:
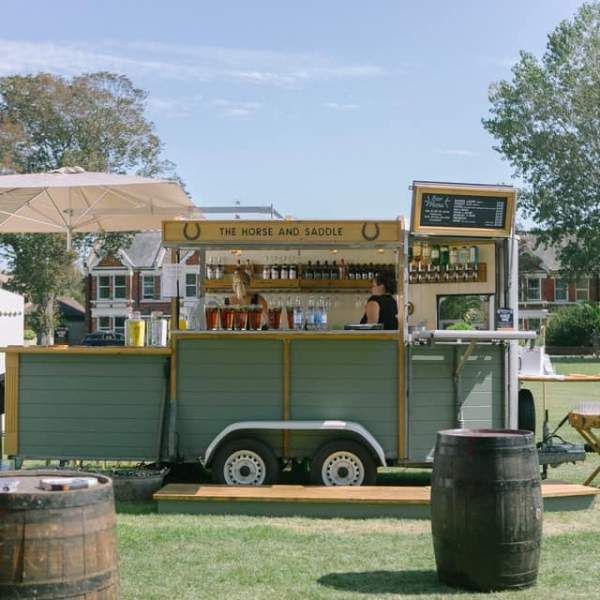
[
  {"x": 11, "y": 322},
  {"x": 71, "y": 200}
]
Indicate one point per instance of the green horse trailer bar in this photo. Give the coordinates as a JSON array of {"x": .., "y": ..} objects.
[{"x": 340, "y": 401}]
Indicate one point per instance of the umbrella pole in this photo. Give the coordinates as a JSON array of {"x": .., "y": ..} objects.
[{"x": 69, "y": 239}]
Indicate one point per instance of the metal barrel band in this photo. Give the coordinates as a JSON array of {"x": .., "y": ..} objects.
[
  {"x": 497, "y": 485},
  {"x": 72, "y": 499},
  {"x": 67, "y": 589},
  {"x": 524, "y": 546},
  {"x": 450, "y": 449}
]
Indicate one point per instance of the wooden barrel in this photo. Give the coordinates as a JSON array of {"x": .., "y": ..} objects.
[
  {"x": 486, "y": 508},
  {"x": 57, "y": 544}
]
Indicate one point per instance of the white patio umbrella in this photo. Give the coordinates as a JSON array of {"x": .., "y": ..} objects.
[{"x": 71, "y": 200}]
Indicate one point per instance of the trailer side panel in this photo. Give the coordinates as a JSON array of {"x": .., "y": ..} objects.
[{"x": 100, "y": 406}]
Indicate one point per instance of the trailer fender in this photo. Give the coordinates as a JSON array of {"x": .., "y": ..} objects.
[{"x": 349, "y": 426}]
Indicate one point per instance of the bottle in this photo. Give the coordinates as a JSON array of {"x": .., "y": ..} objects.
[
  {"x": 318, "y": 314},
  {"x": 317, "y": 273},
  {"x": 321, "y": 314},
  {"x": 474, "y": 256},
  {"x": 335, "y": 271},
  {"x": 298, "y": 314},
  {"x": 426, "y": 250},
  {"x": 364, "y": 272},
  {"x": 343, "y": 271},
  {"x": 370, "y": 271},
  {"x": 310, "y": 314},
  {"x": 309, "y": 272},
  {"x": 417, "y": 252},
  {"x": 326, "y": 273},
  {"x": 283, "y": 272},
  {"x": 274, "y": 271},
  {"x": 220, "y": 269},
  {"x": 266, "y": 272},
  {"x": 435, "y": 255},
  {"x": 453, "y": 257},
  {"x": 210, "y": 273},
  {"x": 351, "y": 272},
  {"x": 444, "y": 255},
  {"x": 463, "y": 256},
  {"x": 249, "y": 268},
  {"x": 293, "y": 272}
]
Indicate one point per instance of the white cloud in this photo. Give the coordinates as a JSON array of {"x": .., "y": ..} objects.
[
  {"x": 178, "y": 62},
  {"x": 458, "y": 152},
  {"x": 184, "y": 106},
  {"x": 232, "y": 109},
  {"x": 179, "y": 107},
  {"x": 340, "y": 107}
]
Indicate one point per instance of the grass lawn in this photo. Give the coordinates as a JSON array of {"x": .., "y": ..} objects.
[{"x": 203, "y": 557}]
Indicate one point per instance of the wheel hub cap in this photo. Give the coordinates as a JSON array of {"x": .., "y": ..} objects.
[
  {"x": 343, "y": 468},
  {"x": 244, "y": 467}
]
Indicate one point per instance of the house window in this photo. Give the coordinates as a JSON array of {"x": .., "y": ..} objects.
[
  {"x": 148, "y": 287},
  {"x": 104, "y": 324},
  {"x": 120, "y": 286},
  {"x": 104, "y": 287},
  {"x": 120, "y": 325},
  {"x": 561, "y": 290},
  {"x": 582, "y": 290},
  {"x": 191, "y": 285},
  {"x": 533, "y": 288}
]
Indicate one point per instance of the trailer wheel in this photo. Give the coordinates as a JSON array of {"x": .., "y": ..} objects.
[
  {"x": 343, "y": 462},
  {"x": 245, "y": 461},
  {"x": 526, "y": 410}
]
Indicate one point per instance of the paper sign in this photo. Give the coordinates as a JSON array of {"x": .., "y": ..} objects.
[{"x": 168, "y": 280}]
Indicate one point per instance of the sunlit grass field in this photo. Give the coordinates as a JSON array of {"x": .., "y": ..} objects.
[{"x": 204, "y": 557}]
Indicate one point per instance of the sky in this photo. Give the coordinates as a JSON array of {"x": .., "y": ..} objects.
[{"x": 323, "y": 109}]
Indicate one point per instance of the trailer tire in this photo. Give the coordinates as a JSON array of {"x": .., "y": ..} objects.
[
  {"x": 245, "y": 461},
  {"x": 343, "y": 462},
  {"x": 526, "y": 410}
]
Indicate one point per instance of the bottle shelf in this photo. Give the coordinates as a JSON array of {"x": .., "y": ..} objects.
[
  {"x": 456, "y": 276},
  {"x": 224, "y": 285}
]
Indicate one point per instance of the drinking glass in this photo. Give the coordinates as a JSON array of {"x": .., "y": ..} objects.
[{"x": 212, "y": 316}]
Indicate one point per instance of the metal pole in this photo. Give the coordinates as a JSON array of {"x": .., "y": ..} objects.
[{"x": 512, "y": 293}]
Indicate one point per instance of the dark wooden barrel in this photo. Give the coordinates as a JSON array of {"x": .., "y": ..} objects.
[
  {"x": 486, "y": 508},
  {"x": 57, "y": 544}
]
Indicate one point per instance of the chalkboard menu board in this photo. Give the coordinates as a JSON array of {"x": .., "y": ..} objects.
[{"x": 463, "y": 211}]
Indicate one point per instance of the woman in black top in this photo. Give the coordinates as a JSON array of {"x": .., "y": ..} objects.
[{"x": 382, "y": 306}]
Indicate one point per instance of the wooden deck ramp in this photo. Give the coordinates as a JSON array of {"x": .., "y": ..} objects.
[{"x": 407, "y": 502}]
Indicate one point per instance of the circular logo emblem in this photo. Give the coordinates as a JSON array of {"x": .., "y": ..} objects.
[
  {"x": 370, "y": 231},
  {"x": 191, "y": 231}
]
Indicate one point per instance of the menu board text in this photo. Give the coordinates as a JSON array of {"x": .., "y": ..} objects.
[{"x": 463, "y": 211}]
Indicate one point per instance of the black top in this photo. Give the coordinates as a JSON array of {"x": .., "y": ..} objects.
[{"x": 388, "y": 311}]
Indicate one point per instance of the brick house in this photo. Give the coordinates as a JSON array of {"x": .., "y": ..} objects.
[
  {"x": 130, "y": 281},
  {"x": 542, "y": 288}
]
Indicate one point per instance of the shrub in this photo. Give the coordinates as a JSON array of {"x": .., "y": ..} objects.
[
  {"x": 29, "y": 335},
  {"x": 460, "y": 326},
  {"x": 573, "y": 325}
]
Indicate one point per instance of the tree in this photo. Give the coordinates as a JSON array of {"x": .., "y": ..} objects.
[
  {"x": 95, "y": 121},
  {"x": 42, "y": 270},
  {"x": 575, "y": 325},
  {"x": 547, "y": 124}
]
